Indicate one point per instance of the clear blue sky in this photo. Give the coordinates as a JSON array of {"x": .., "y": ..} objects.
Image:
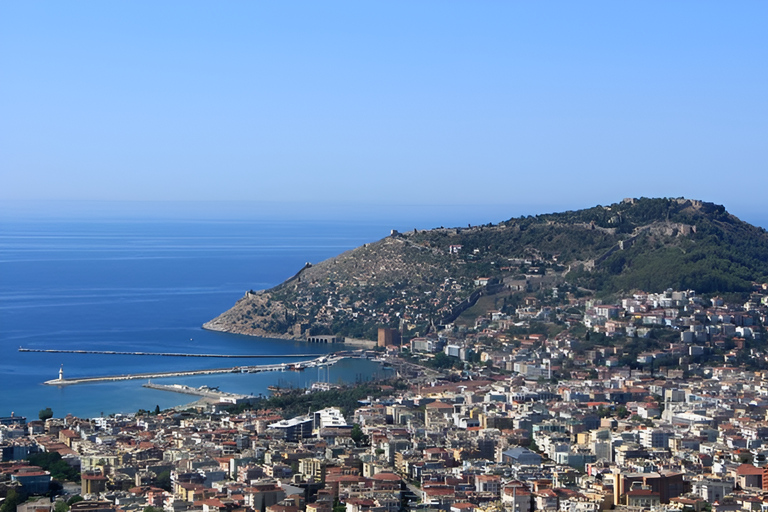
[{"x": 551, "y": 105}]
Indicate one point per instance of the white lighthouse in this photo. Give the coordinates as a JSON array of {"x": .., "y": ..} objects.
[{"x": 61, "y": 372}]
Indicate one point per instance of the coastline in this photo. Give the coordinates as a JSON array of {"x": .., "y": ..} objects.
[
  {"x": 260, "y": 333},
  {"x": 256, "y": 333},
  {"x": 139, "y": 286}
]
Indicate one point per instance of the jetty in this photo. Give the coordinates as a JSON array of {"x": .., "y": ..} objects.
[
  {"x": 323, "y": 360},
  {"x": 163, "y": 354}
]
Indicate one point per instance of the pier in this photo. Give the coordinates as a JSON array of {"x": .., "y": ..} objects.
[
  {"x": 162, "y": 354},
  {"x": 301, "y": 365},
  {"x": 203, "y": 391}
]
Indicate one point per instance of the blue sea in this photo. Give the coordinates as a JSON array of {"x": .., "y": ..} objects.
[{"x": 148, "y": 285}]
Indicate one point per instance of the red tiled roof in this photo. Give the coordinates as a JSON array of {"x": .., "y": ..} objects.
[
  {"x": 386, "y": 476},
  {"x": 748, "y": 469},
  {"x": 438, "y": 491}
]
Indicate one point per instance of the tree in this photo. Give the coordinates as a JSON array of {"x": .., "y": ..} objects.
[
  {"x": 12, "y": 500},
  {"x": 164, "y": 480},
  {"x": 441, "y": 361},
  {"x": 75, "y": 499},
  {"x": 46, "y": 413},
  {"x": 157, "y": 409},
  {"x": 60, "y": 506},
  {"x": 52, "y": 461},
  {"x": 357, "y": 434}
]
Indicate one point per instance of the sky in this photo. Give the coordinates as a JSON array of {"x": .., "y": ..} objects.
[{"x": 502, "y": 106}]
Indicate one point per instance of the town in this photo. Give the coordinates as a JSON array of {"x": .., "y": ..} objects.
[{"x": 653, "y": 402}]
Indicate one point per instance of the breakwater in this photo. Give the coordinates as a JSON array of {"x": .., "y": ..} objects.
[
  {"x": 162, "y": 354},
  {"x": 301, "y": 365},
  {"x": 136, "y": 376}
]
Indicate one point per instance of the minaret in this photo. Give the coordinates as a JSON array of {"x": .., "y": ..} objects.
[{"x": 61, "y": 372}]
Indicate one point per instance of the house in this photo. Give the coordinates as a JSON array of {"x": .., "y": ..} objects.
[
  {"x": 643, "y": 497},
  {"x": 748, "y": 475}
]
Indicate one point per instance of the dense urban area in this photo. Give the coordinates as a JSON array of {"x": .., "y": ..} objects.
[{"x": 558, "y": 401}]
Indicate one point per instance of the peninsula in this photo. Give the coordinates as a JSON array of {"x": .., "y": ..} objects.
[{"x": 424, "y": 281}]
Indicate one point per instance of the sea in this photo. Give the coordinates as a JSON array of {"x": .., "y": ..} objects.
[
  {"x": 147, "y": 286},
  {"x": 145, "y": 279}
]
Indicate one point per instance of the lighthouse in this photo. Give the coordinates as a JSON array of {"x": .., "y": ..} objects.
[{"x": 61, "y": 372}]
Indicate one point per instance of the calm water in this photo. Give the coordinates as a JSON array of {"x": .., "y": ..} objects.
[{"x": 147, "y": 286}]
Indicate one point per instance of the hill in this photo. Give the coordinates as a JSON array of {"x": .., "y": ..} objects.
[{"x": 420, "y": 280}]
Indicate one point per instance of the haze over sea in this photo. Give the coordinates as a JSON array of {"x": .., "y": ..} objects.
[{"x": 146, "y": 280}]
